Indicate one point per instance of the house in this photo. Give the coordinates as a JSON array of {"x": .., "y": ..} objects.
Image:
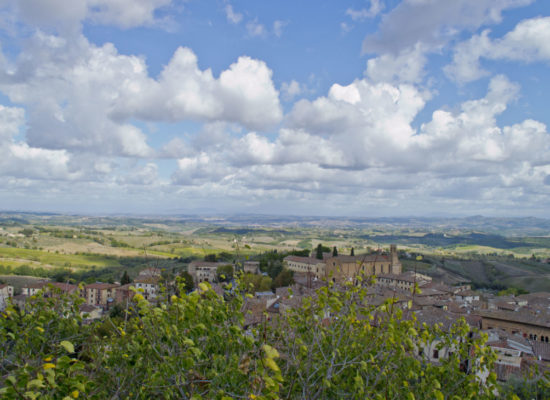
[
  {"x": 203, "y": 271},
  {"x": 404, "y": 281},
  {"x": 150, "y": 272},
  {"x": 124, "y": 293},
  {"x": 6, "y": 292},
  {"x": 251, "y": 267},
  {"x": 45, "y": 286},
  {"x": 149, "y": 285},
  {"x": 89, "y": 312},
  {"x": 101, "y": 294},
  {"x": 532, "y": 324}
]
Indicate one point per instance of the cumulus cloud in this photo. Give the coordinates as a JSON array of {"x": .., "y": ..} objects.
[
  {"x": 291, "y": 89},
  {"x": 244, "y": 93},
  {"x": 80, "y": 96},
  {"x": 407, "y": 66},
  {"x": 433, "y": 22},
  {"x": 529, "y": 41},
  {"x": 358, "y": 140},
  {"x": 69, "y": 88}
]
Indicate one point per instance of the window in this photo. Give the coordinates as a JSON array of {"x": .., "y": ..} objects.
[{"x": 436, "y": 354}]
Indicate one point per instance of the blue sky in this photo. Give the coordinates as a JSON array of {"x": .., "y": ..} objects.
[{"x": 370, "y": 108}]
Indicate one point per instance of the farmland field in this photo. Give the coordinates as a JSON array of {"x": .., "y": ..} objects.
[{"x": 507, "y": 253}]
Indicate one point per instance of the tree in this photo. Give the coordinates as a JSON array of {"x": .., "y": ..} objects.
[
  {"x": 210, "y": 257},
  {"x": 334, "y": 345},
  {"x": 283, "y": 279},
  {"x": 352, "y": 253},
  {"x": 125, "y": 279},
  {"x": 320, "y": 250},
  {"x": 186, "y": 282},
  {"x": 334, "y": 251},
  {"x": 256, "y": 283},
  {"x": 224, "y": 273}
]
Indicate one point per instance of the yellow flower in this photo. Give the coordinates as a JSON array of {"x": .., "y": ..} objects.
[
  {"x": 48, "y": 366},
  {"x": 48, "y": 359},
  {"x": 75, "y": 394}
]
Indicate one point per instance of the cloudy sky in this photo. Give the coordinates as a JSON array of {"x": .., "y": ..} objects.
[{"x": 366, "y": 107}]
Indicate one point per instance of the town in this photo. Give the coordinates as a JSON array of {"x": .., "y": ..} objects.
[{"x": 517, "y": 326}]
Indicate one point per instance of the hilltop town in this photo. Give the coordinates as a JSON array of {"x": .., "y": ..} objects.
[{"x": 517, "y": 326}]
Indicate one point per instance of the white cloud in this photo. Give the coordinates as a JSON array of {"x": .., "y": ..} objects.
[
  {"x": 11, "y": 120},
  {"x": 376, "y": 6},
  {"x": 146, "y": 175},
  {"x": 345, "y": 27},
  {"x": 244, "y": 93},
  {"x": 529, "y": 41},
  {"x": 406, "y": 67},
  {"x": 69, "y": 88},
  {"x": 278, "y": 27},
  {"x": 232, "y": 16},
  {"x": 433, "y": 22},
  {"x": 291, "y": 89},
  {"x": 67, "y": 15},
  {"x": 254, "y": 28}
]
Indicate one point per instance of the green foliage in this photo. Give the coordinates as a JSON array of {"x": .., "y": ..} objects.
[
  {"x": 514, "y": 291},
  {"x": 125, "y": 279},
  {"x": 28, "y": 232},
  {"x": 256, "y": 283},
  {"x": 186, "y": 282},
  {"x": 285, "y": 278},
  {"x": 320, "y": 250},
  {"x": 334, "y": 251},
  {"x": 210, "y": 257},
  {"x": 193, "y": 346},
  {"x": 224, "y": 273}
]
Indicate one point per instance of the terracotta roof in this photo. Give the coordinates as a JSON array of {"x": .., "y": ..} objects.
[
  {"x": 147, "y": 279},
  {"x": 362, "y": 258},
  {"x": 539, "y": 319},
  {"x": 305, "y": 260},
  {"x": 101, "y": 286}
]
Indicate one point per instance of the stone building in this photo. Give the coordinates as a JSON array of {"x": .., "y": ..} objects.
[
  {"x": 535, "y": 326},
  {"x": 347, "y": 268},
  {"x": 306, "y": 265},
  {"x": 203, "y": 271}
]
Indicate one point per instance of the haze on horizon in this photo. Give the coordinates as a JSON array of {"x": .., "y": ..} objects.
[{"x": 354, "y": 108}]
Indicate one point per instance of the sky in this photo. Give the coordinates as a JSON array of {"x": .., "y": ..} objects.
[{"x": 343, "y": 108}]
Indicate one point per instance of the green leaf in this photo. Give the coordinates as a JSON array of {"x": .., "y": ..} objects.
[{"x": 68, "y": 346}]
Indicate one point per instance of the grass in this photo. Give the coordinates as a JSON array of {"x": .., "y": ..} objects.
[{"x": 61, "y": 260}]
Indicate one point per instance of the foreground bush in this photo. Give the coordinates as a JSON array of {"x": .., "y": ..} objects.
[{"x": 194, "y": 346}]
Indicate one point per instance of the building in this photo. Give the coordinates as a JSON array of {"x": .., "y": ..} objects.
[
  {"x": 404, "y": 281},
  {"x": 6, "y": 292},
  {"x": 532, "y": 325},
  {"x": 310, "y": 265},
  {"x": 150, "y": 272},
  {"x": 203, "y": 271},
  {"x": 251, "y": 267},
  {"x": 101, "y": 294},
  {"x": 347, "y": 268},
  {"x": 148, "y": 284},
  {"x": 34, "y": 288}
]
